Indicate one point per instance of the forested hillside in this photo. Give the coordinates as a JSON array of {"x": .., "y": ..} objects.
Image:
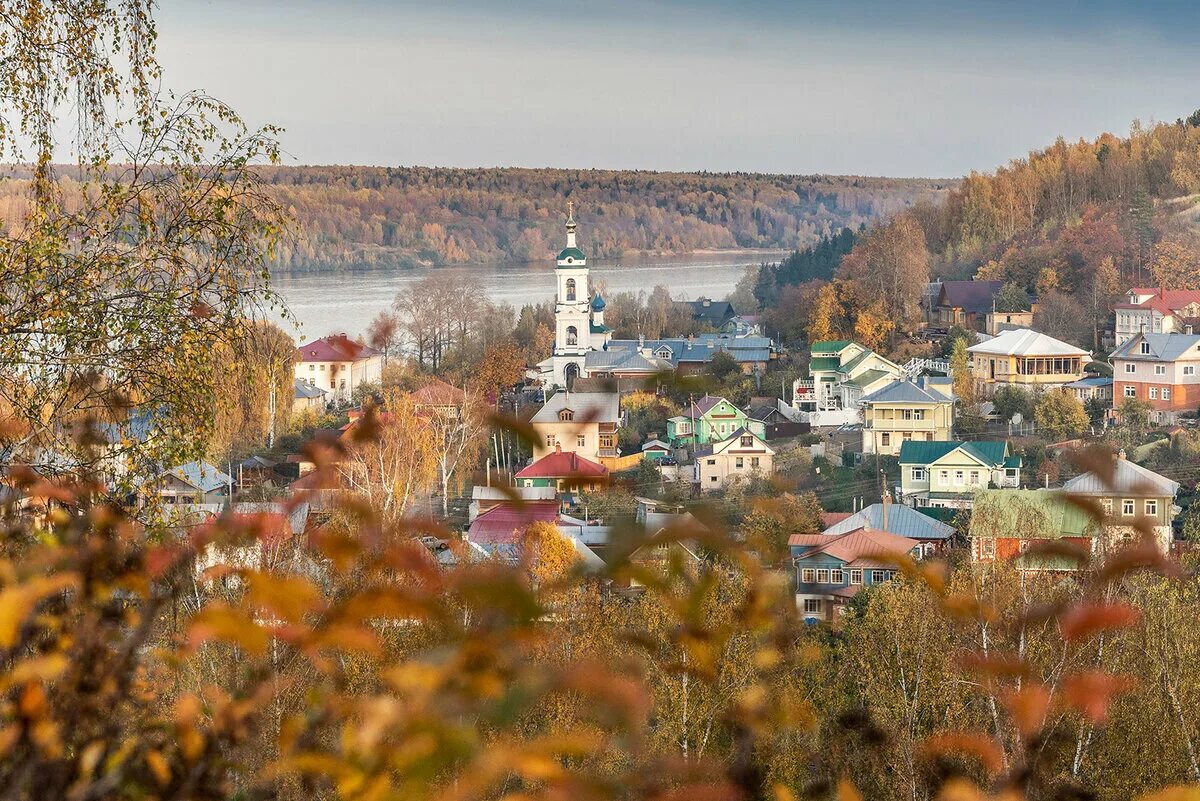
[
  {"x": 1074, "y": 224},
  {"x": 407, "y": 216}
]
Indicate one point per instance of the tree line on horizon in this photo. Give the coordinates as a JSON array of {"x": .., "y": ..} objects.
[{"x": 349, "y": 217}]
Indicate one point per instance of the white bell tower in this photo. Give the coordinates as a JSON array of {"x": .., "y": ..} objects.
[{"x": 572, "y": 309}]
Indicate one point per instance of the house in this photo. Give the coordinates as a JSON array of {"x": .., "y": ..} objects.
[
  {"x": 841, "y": 372},
  {"x": 964, "y": 303},
  {"x": 566, "y": 471},
  {"x": 486, "y": 497},
  {"x": 655, "y": 450},
  {"x": 709, "y": 312},
  {"x": 709, "y": 419},
  {"x": 741, "y": 454},
  {"x": 1133, "y": 492},
  {"x": 894, "y": 518},
  {"x": 1155, "y": 311},
  {"x": 996, "y": 322},
  {"x": 308, "y": 398},
  {"x": 743, "y": 325},
  {"x": 920, "y": 410},
  {"x": 338, "y": 364},
  {"x": 578, "y": 422},
  {"x": 439, "y": 398},
  {"x": 1160, "y": 370},
  {"x": 830, "y": 570},
  {"x": 498, "y": 530},
  {"x": 1005, "y": 523},
  {"x": 1094, "y": 387},
  {"x": 948, "y": 474},
  {"x": 684, "y": 356},
  {"x": 1025, "y": 358},
  {"x": 193, "y": 489}
]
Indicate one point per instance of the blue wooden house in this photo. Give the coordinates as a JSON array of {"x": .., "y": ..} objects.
[{"x": 830, "y": 570}]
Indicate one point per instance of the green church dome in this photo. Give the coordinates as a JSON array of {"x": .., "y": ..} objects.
[{"x": 574, "y": 254}]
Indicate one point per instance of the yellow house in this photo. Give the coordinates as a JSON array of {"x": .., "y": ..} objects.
[
  {"x": 578, "y": 422},
  {"x": 1025, "y": 358},
  {"x": 908, "y": 411}
]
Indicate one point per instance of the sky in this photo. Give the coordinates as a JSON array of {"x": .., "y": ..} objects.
[{"x": 883, "y": 87}]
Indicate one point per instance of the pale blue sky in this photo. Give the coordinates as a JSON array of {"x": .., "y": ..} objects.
[{"x": 881, "y": 88}]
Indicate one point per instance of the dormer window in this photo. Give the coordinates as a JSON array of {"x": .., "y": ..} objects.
[
  {"x": 1145, "y": 348},
  {"x": 566, "y": 415},
  {"x": 665, "y": 353},
  {"x": 747, "y": 441}
]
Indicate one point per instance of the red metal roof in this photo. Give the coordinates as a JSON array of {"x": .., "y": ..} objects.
[
  {"x": 438, "y": 393},
  {"x": 1165, "y": 301},
  {"x": 867, "y": 544},
  {"x": 334, "y": 348},
  {"x": 562, "y": 464},
  {"x": 833, "y": 518},
  {"x": 503, "y": 522}
]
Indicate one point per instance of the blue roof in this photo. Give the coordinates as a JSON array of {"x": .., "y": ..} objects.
[
  {"x": 306, "y": 390},
  {"x": 901, "y": 520},
  {"x": 1094, "y": 381},
  {"x": 201, "y": 475}
]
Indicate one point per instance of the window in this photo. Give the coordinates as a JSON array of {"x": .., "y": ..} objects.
[
  {"x": 1145, "y": 347},
  {"x": 738, "y": 463},
  {"x": 919, "y": 474},
  {"x": 549, "y": 440},
  {"x": 808, "y": 575},
  {"x": 1127, "y": 507},
  {"x": 1151, "y": 508},
  {"x": 885, "y": 439},
  {"x": 570, "y": 289},
  {"x": 879, "y": 576},
  {"x": 606, "y": 442},
  {"x": 837, "y": 577},
  {"x": 856, "y": 575},
  {"x": 812, "y": 606},
  {"x": 958, "y": 478},
  {"x": 822, "y": 576},
  {"x": 1130, "y": 391},
  {"x": 1153, "y": 393},
  {"x": 1106, "y": 505},
  {"x": 927, "y": 550},
  {"x": 572, "y": 335},
  {"x": 713, "y": 479},
  {"x": 1189, "y": 369},
  {"x": 581, "y": 441},
  {"x": 747, "y": 441},
  {"x": 712, "y": 462},
  {"x": 754, "y": 462},
  {"x": 1166, "y": 393},
  {"x": 1130, "y": 367},
  {"x": 312, "y": 368},
  {"x": 943, "y": 476},
  {"x": 987, "y": 548},
  {"x": 1160, "y": 369},
  {"x": 322, "y": 368},
  {"x": 974, "y": 477},
  {"x": 566, "y": 415}
]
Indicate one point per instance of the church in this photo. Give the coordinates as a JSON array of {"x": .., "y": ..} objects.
[
  {"x": 578, "y": 316},
  {"x": 584, "y": 347}
]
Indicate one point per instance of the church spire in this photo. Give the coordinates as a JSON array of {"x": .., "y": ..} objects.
[{"x": 570, "y": 223}]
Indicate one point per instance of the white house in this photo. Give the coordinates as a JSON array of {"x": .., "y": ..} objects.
[
  {"x": 338, "y": 365},
  {"x": 841, "y": 372},
  {"x": 1155, "y": 311},
  {"x": 741, "y": 454}
]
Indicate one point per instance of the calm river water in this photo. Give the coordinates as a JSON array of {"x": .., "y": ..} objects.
[{"x": 324, "y": 303}]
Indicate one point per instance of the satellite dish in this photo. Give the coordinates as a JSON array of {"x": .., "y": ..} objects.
[{"x": 1017, "y": 419}]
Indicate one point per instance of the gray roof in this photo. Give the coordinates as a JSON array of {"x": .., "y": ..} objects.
[
  {"x": 1163, "y": 347},
  {"x": 1128, "y": 479},
  {"x": 622, "y": 359},
  {"x": 201, "y": 475},
  {"x": 702, "y": 347},
  {"x": 903, "y": 521},
  {"x": 508, "y": 493},
  {"x": 904, "y": 392},
  {"x": 1094, "y": 381},
  {"x": 306, "y": 390},
  {"x": 602, "y": 407}
]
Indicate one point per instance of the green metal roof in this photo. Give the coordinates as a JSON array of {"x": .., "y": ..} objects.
[
  {"x": 912, "y": 452},
  {"x": 1028, "y": 514},
  {"x": 600, "y": 329},
  {"x": 856, "y": 361},
  {"x": 830, "y": 345},
  {"x": 1013, "y": 461},
  {"x": 866, "y": 378},
  {"x": 571, "y": 253},
  {"x": 823, "y": 364}
]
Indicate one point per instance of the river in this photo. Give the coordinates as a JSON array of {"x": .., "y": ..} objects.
[{"x": 327, "y": 302}]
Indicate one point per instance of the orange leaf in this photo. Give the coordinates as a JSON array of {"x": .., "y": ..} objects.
[
  {"x": 1092, "y": 692},
  {"x": 220, "y": 622},
  {"x": 976, "y": 745},
  {"x": 1180, "y": 792},
  {"x": 1028, "y": 706},
  {"x": 1081, "y": 622},
  {"x": 846, "y": 791}
]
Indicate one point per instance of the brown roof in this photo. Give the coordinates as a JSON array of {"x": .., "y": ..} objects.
[
  {"x": 438, "y": 393},
  {"x": 833, "y": 518},
  {"x": 563, "y": 464},
  {"x": 971, "y": 296},
  {"x": 866, "y": 544}
]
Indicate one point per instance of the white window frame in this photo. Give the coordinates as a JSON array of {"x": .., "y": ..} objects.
[
  {"x": 1153, "y": 393},
  {"x": 960, "y": 478},
  {"x": 1166, "y": 393},
  {"x": 808, "y": 575},
  {"x": 1160, "y": 369},
  {"x": 856, "y": 575},
  {"x": 1128, "y": 507},
  {"x": 1130, "y": 391},
  {"x": 1106, "y": 505},
  {"x": 822, "y": 575},
  {"x": 879, "y": 576},
  {"x": 1189, "y": 369},
  {"x": 1146, "y": 347},
  {"x": 920, "y": 474},
  {"x": 1130, "y": 367},
  {"x": 812, "y": 606},
  {"x": 987, "y": 547},
  {"x": 837, "y": 576},
  {"x": 1151, "y": 507}
]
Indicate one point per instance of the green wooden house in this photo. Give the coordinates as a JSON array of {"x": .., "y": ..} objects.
[{"x": 710, "y": 419}]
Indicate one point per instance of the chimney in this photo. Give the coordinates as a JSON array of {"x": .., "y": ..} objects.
[
  {"x": 1187, "y": 329},
  {"x": 558, "y": 447}
]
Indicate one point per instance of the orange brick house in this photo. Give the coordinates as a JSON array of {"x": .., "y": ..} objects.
[{"x": 1162, "y": 370}]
